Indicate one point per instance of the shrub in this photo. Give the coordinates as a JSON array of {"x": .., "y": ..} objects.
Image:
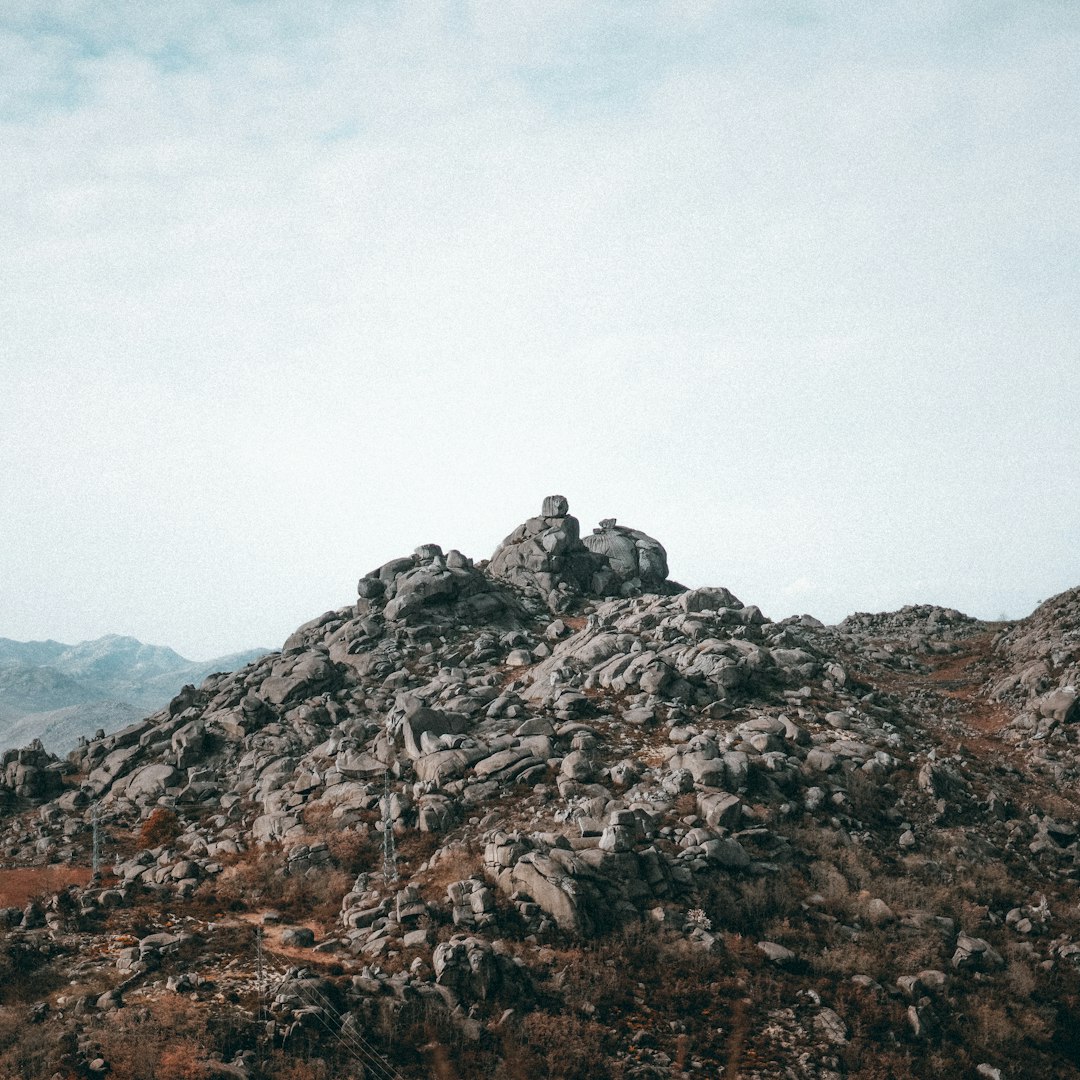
[
  {"x": 160, "y": 829},
  {"x": 182, "y": 1060},
  {"x": 259, "y": 879},
  {"x": 567, "y": 1048}
]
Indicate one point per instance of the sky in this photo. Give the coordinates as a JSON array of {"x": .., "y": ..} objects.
[{"x": 289, "y": 289}]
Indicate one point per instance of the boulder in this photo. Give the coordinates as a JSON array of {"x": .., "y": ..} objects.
[
  {"x": 149, "y": 782},
  {"x": 553, "y": 890},
  {"x": 975, "y": 954},
  {"x": 634, "y": 559}
]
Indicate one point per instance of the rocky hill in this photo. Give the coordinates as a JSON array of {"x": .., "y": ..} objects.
[
  {"x": 554, "y": 815},
  {"x": 57, "y": 693}
]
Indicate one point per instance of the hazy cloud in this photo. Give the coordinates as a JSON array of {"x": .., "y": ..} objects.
[{"x": 289, "y": 290}]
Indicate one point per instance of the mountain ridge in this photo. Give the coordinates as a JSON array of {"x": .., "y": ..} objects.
[
  {"x": 553, "y": 815},
  {"x": 39, "y": 679}
]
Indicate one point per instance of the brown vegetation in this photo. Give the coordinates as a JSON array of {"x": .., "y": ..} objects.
[{"x": 23, "y": 884}]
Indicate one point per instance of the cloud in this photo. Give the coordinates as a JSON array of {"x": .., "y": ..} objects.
[{"x": 303, "y": 287}]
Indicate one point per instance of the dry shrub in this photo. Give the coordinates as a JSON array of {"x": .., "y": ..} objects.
[
  {"x": 1019, "y": 970},
  {"x": 1020, "y": 978},
  {"x": 988, "y": 884},
  {"x": 160, "y": 829},
  {"x": 870, "y": 1061},
  {"x": 318, "y": 819},
  {"x": 849, "y": 958},
  {"x": 567, "y": 1048},
  {"x": 416, "y": 847},
  {"x": 588, "y": 977},
  {"x": 742, "y": 950},
  {"x": 255, "y": 879},
  {"x": 11, "y": 1024},
  {"x": 29, "y": 1050},
  {"x": 138, "y": 1039},
  {"x": 871, "y": 1014},
  {"x": 827, "y": 880},
  {"x": 455, "y": 863},
  {"x": 916, "y": 952},
  {"x": 869, "y": 798},
  {"x": 183, "y": 1060},
  {"x": 259, "y": 879},
  {"x": 748, "y": 905},
  {"x": 973, "y": 917},
  {"x": 283, "y": 1067},
  {"x": 991, "y": 1024},
  {"x": 1058, "y": 805},
  {"x": 25, "y": 972},
  {"x": 860, "y": 866},
  {"x": 352, "y": 848}
]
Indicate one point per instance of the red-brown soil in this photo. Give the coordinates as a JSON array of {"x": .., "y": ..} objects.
[{"x": 19, "y": 886}]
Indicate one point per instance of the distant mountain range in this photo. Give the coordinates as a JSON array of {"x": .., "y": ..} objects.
[{"x": 57, "y": 692}]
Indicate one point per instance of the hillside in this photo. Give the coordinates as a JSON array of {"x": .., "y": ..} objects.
[
  {"x": 554, "y": 815},
  {"x": 59, "y": 692}
]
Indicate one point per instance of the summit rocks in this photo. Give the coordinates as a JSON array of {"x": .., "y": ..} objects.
[{"x": 546, "y": 556}]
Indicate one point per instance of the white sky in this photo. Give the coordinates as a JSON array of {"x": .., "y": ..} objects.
[{"x": 288, "y": 289}]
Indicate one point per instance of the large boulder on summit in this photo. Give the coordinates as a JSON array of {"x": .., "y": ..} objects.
[
  {"x": 545, "y": 555},
  {"x": 633, "y": 557},
  {"x": 31, "y": 773},
  {"x": 548, "y": 556}
]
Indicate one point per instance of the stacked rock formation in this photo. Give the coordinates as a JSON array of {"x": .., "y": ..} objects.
[
  {"x": 547, "y": 556},
  {"x": 1041, "y": 655}
]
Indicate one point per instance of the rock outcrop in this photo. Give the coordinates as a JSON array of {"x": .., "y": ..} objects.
[{"x": 547, "y": 557}]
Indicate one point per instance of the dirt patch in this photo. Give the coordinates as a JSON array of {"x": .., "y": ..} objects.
[
  {"x": 958, "y": 680},
  {"x": 272, "y": 938},
  {"x": 19, "y": 886}
]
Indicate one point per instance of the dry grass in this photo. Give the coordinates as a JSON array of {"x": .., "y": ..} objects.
[
  {"x": 160, "y": 829},
  {"x": 17, "y": 887},
  {"x": 258, "y": 880},
  {"x": 456, "y": 863}
]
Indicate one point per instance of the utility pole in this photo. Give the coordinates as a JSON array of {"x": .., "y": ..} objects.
[
  {"x": 389, "y": 854},
  {"x": 259, "y": 966},
  {"x": 260, "y": 1030},
  {"x": 95, "y": 820}
]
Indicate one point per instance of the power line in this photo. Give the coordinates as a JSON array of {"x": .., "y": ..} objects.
[
  {"x": 348, "y": 1036},
  {"x": 364, "y": 1052}
]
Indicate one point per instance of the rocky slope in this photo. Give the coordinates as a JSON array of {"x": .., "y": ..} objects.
[
  {"x": 554, "y": 815},
  {"x": 57, "y": 692}
]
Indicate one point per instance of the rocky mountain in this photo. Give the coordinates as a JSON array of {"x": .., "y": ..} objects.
[
  {"x": 554, "y": 815},
  {"x": 59, "y": 730},
  {"x": 57, "y": 693}
]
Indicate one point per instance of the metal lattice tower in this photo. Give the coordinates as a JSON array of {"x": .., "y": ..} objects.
[
  {"x": 95, "y": 820},
  {"x": 260, "y": 1029},
  {"x": 389, "y": 852}
]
